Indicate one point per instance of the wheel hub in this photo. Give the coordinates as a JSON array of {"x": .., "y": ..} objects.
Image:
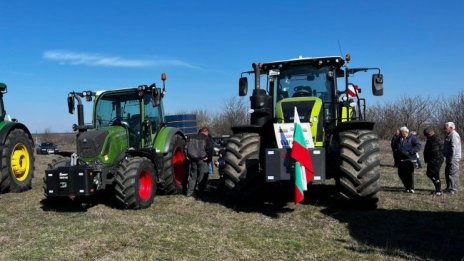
[{"x": 20, "y": 162}]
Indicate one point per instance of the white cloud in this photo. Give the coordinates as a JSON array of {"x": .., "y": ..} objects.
[{"x": 95, "y": 59}]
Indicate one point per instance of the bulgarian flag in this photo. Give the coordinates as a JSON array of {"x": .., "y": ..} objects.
[{"x": 304, "y": 170}]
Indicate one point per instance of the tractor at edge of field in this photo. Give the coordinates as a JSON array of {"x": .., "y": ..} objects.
[
  {"x": 127, "y": 150},
  {"x": 345, "y": 146}
]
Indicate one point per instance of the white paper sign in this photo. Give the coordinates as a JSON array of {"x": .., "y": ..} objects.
[{"x": 284, "y": 134}]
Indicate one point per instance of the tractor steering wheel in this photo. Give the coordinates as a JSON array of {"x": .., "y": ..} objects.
[
  {"x": 302, "y": 91},
  {"x": 116, "y": 121}
]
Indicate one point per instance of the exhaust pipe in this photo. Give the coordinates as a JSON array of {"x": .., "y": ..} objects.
[{"x": 257, "y": 76}]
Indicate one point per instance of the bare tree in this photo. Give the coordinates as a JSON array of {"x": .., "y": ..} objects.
[{"x": 234, "y": 113}]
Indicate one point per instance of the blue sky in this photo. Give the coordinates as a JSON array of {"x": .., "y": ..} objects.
[{"x": 49, "y": 48}]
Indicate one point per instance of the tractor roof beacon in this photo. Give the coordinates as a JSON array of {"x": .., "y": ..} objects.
[
  {"x": 345, "y": 145},
  {"x": 17, "y": 152},
  {"x": 127, "y": 148}
]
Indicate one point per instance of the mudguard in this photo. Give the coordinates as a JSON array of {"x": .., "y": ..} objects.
[
  {"x": 164, "y": 138},
  {"x": 351, "y": 125}
]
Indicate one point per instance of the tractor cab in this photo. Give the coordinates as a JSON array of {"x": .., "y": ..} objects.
[
  {"x": 310, "y": 85},
  {"x": 130, "y": 109}
]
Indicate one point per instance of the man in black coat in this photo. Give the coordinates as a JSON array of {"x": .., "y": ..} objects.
[
  {"x": 433, "y": 157},
  {"x": 407, "y": 147}
]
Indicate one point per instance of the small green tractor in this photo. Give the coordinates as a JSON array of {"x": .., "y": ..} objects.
[
  {"x": 345, "y": 146},
  {"x": 127, "y": 150},
  {"x": 16, "y": 151}
]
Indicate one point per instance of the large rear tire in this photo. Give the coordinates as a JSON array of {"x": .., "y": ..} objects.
[
  {"x": 241, "y": 171},
  {"x": 359, "y": 168},
  {"x": 174, "y": 175},
  {"x": 135, "y": 183},
  {"x": 17, "y": 162}
]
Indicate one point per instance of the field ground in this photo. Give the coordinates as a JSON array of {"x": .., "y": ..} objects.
[{"x": 404, "y": 227}]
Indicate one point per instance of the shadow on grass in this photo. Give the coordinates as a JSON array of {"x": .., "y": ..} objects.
[
  {"x": 262, "y": 201},
  {"x": 80, "y": 204},
  {"x": 429, "y": 235}
]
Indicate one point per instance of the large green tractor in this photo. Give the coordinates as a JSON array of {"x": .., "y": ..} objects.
[
  {"x": 345, "y": 145},
  {"x": 16, "y": 152},
  {"x": 127, "y": 150}
]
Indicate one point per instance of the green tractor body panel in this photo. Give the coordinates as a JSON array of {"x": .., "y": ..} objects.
[
  {"x": 105, "y": 144},
  {"x": 309, "y": 110},
  {"x": 161, "y": 139},
  {"x": 164, "y": 138}
]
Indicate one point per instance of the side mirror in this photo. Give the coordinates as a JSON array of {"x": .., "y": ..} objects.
[
  {"x": 377, "y": 84},
  {"x": 243, "y": 86},
  {"x": 3, "y": 87},
  {"x": 71, "y": 104},
  {"x": 156, "y": 96}
]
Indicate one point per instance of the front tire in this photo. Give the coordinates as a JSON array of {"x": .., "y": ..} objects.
[
  {"x": 174, "y": 175},
  {"x": 241, "y": 171},
  {"x": 17, "y": 162},
  {"x": 135, "y": 183},
  {"x": 359, "y": 168}
]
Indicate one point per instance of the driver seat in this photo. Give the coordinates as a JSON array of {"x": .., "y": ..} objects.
[{"x": 303, "y": 91}]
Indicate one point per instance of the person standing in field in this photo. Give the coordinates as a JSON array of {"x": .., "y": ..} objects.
[
  {"x": 199, "y": 151},
  {"x": 452, "y": 153},
  {"x": 433, "y": 157},
  {"x": 407, "y": 147},
  {"x": 394, "y": 140}
]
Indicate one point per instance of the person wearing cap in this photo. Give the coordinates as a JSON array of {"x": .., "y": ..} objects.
[
  {"x": 452, "y": 153},
  {"x": 407, "y": 147},
  {"x": 433, "y": 157}
]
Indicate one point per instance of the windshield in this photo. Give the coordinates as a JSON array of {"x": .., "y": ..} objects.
[
  {"x": 117, "y": 106},
  {"x": 304, "y": 81}
]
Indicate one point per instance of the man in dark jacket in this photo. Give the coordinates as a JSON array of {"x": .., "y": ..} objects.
[
  {"x": 393, "y": 142},
  {"x": 200, "y": 152},
  {"x": 433, "y": 157},
  {"x": 407, "y": 147}
]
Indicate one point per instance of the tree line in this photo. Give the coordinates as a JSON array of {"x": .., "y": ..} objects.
[{"x": 417, "y": 113}]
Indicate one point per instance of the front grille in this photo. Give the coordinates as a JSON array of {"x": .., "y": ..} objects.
[
  {"x": 304, "y": 110},
  {"x": 90, "y": 143}
]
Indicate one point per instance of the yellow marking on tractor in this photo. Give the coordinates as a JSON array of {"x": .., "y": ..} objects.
[{"x": 20, "y": 162}]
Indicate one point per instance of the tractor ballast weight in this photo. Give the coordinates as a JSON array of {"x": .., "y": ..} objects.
[
  {"x": 16, "y": 152},
  {"x": 345, "y": 146},
  {"x": 127, "y": 149}
]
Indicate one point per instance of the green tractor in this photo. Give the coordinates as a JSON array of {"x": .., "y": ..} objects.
[
  {"x": 345, "y": 146},
  {"x": 127, "y": 150},
  {"x": 17, "y": 152}
]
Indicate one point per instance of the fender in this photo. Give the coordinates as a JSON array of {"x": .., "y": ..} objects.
[
  {"x": 9, "y": 127},
  {"x": 164, "y": 138},
  {"x": 356, "y": 124},
  {"x": 247, "y": 129}
]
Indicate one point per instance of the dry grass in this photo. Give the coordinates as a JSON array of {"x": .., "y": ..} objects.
[{"x": 405, "y": 227}]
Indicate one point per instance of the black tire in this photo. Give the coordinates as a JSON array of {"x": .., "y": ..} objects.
[
  {"x": 173, "y": 177},
  {"x": 135, "y": 183},
  {"x": 17, "y": 162},
  {"x": 241, "y": 171},
  {"x": 359, "y": 168}
]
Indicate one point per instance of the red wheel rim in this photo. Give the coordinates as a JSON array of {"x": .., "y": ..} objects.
[
  {"x": 145, "y": 185},
  {"x": 178, "y": 165}
]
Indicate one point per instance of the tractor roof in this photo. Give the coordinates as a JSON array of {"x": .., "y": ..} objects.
[{"x": 326, "y": 60}]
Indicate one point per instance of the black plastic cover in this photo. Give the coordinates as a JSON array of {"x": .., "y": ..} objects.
[{"x": 70, "y": 181}]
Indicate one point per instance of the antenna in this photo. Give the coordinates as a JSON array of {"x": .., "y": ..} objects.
[{"x": 340, "y": 48}]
